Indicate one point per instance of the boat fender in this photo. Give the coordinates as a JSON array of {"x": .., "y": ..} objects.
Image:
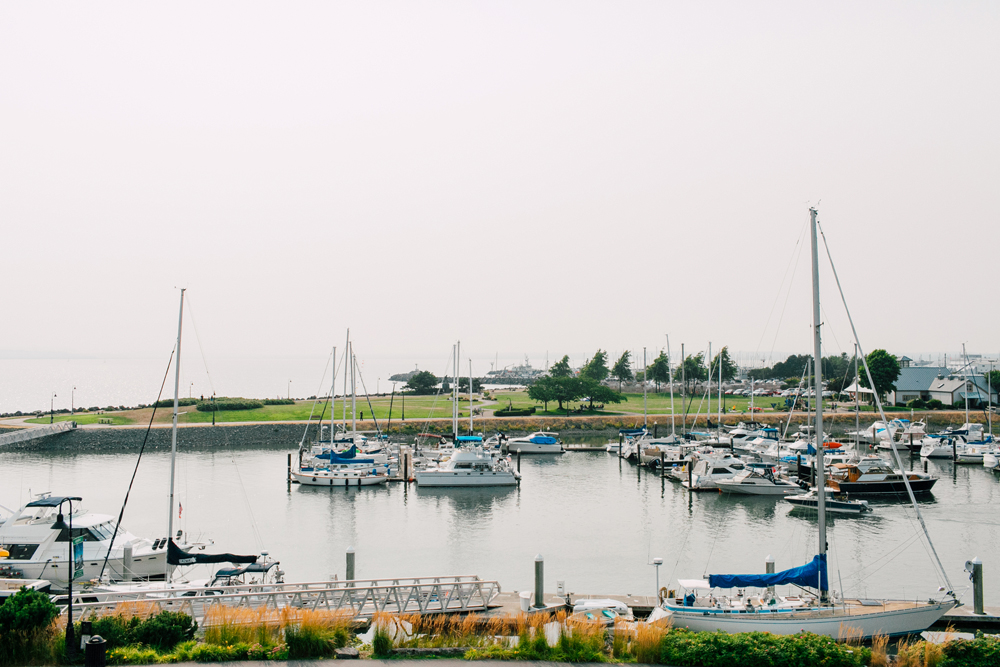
[{"x": 663, "y": 593}]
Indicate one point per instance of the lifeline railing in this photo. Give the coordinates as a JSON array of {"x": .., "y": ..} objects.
[{"x": 363, "y": 597}]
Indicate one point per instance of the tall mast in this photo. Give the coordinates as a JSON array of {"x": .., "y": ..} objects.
[
  {"x": 718, "y": 420},
  {"x": 470, "y": 396},
  {"x": 354, "y": 390},
  {"x": 857, "y": 404},
  {"x": 683, "y": 391},
  {"x": 709, "y": 383},
  {"x": 965, "y": 358},
  {"x": 818, "y": 377},
  {"x": 670, "y": 375},
  {"x": 347, "y": 365},
  {"x": 173, "y": 433},
  {"x": 645, "y": 419},
  {"x": 333, "y": 397}
]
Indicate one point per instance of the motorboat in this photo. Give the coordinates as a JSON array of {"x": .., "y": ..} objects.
[
  {"x": 707, "y": 471},
  {"x": 941, "y": 447},
  {"x": 872, "y": 475},
  {"x": 539, "y": 442},
  {"x": 833, "y": 505},
  {"x": 759, "y": 482},
  {"x": 471, "y": 465},
  {"x": 37, "y": 551}
]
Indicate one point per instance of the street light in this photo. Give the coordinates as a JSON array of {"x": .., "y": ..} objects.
[
  {"x": 52, "y": 403},
  {"x": 289, "y": 396},
  {"x": 657, "y": 562},
  {"x": 71, "y": 570},
  {"x": 72, "y": 397},
  {"x": 190, "y": 389}
]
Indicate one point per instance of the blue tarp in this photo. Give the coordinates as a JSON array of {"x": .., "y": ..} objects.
[{"x": 805, "y": 575}]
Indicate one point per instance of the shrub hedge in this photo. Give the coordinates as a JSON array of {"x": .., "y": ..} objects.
[{"x": 227, "y": 403}]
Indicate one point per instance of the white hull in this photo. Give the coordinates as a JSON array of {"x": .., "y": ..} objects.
[
  {"x": 832, "y": 623},
  {"x": 320, "y": 479},
  {"x": 56, "y": 571},
  {"x": 757, "y": 489},
  {"x": 465, "y": 478},
  {"x": 533, "y": 448}
]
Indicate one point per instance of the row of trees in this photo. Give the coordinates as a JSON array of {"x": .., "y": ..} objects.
[{"x": 565, "y": 389}]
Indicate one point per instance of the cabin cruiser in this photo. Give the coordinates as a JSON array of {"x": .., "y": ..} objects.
[
  {"x": 539, "y": 442},
  {"x": 37, "y": 551},
  {"x": 759, "y": 482},
  {"x": 871, "y": 475},
  {"x": 470, "y": 465},
  {"x": 707, "y": 471},
  {"x": 832, "y": 504},
  {"x": 908, "y": 437}
]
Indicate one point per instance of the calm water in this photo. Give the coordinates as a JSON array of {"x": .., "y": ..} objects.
[{"x": 597, "y": 521}]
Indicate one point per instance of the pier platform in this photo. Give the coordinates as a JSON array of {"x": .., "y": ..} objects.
[{"x": 965, "y": 617}]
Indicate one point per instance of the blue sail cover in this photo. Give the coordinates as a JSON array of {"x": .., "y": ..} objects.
[{"x": 804, "y": 575}]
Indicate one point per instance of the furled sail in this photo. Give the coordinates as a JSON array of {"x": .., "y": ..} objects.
[
  {"x": 810, "y": 574},
  {"x": 177, "y": 556}
]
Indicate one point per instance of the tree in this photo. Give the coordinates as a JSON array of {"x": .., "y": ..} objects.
[
  {"x": 463, "y": 385},
  {"x": 729, "y": 368},
  {"x": 884, "y": 368},
  {"x": 622, "y": 370},
  {"x": 561, "y": 368},
  {"x": 992, "y": 380},
  {"x": 694, "y": 369},
  {"x": 544, "y": 389},
  {"x": 595, "y": 391},
  {"x": 423, "y": 382},
  {"x": 659, "y": 370},
  {"x": 596, "y": 368}
]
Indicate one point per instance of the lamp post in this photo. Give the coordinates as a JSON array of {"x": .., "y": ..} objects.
[
  {"x": 289, "y": 396},
  {"x": 190, "y": 389},
  {"x": 213, "y": 408},
  {"x": 72, "y": 398},
  {"x": 52, "y": 403},
  {"x": 657, "y": 562},
  {"x": 60, "y": 524}
]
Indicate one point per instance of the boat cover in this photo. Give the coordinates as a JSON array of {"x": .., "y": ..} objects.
[
  {"x": 177, "y": 556},
  {"x": 804, "y": 575},
  {"x": 543, "y": 440}
]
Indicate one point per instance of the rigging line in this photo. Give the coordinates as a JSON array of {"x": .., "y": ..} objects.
[
  {"x": 915, "y": 538},
  {"x": 780, "y": 286},
  {"x": 369, "y": 400},
  {"x": 312, "y": 410},
  {"x": 784, "y": 306},
  {"x": 166, "y": 374},
  {"x": 831, "y": 330},
  {"x": 197, "y": 337},
  {"x": 878, "y": 402},
  {"x": 246, "y": 497}
]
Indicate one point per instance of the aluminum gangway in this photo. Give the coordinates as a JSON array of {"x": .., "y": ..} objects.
[
  {"x": 25, "y": 434},
  {"x": 362, "y": 597}
]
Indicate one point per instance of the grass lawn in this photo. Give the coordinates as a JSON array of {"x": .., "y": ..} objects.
[{"x": 656, "y": 403}]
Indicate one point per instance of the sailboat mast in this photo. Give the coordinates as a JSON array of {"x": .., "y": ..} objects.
[
  {"x": 470, "y": 396},
  {"x": 857, "y": 404},
  {"x": 354, "y": 390},
  {"x": 347, "y": 365},
  {"x": 645, "y": 418},
  {"x": 965, "y": 357},
  {"x": 709, "y": 383},
  {"x": 818, "y": 376},
  {"x": 173, "y": 433},
  {"x": 718, "y": 420},
  {"x": 670, "y": 376},
  {"x": 683, "y": 391},
  {"x": 333, "y": 397}
]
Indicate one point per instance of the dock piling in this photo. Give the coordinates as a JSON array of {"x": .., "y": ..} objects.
[
  {"x": 350, "y": 564},
  {"x": 977, "y": 585},
  {"x": 663, "y": 467},
  {"x": 539, "y": 581},
  {"x": 769, "y": 569},
  {"x": 925, "y": 465},
  {"x": 621, "y": 439},
  {"x": 288, "y": 475},
  {"x": 519, "y": 460}
]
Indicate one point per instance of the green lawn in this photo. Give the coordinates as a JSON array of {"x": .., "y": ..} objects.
[{"x": 117, "y": 418}]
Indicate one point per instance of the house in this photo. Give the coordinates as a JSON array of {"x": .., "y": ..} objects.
[{"x": 930, "y": 382}]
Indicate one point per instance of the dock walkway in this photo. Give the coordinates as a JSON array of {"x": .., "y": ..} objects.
[{"x": 23, "y": 435}]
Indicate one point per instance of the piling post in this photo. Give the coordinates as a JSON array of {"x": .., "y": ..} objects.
[
  {"x": 655, "y": 430},
  {"x": 769, "y": 569},
  {"x": 925, "y": 465},
  {"x": 519, "y": 460},
  {"x": 621, "y": 439},
  {"x": 798, "y": 466},
  {"x": 288, "y": 476},
  {"x": 977, "y": 585},
  {"x": 954, "y": 452},
  {"x": 350, "y": 564},
  {"x": 663, "y": 466},
  {"x": 127, "y": 561},
  {"x": 690, "y": 477},
  {"x": 539, "y": 581}
]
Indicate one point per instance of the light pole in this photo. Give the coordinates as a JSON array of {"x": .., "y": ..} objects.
[
  {"x": 71, "y": 569},
  {"x": 289, "y": 396},
  {"x": 52, "y": 403},
  {"x": 213, "y": 408},
  {"x": 190, "y": 389},
  {"x": 72, "y": 398},
  {"x": 657, "y": 562}
]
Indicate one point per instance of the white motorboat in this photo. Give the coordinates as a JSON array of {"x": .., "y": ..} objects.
[
  {"x": 539, "y": 442},
  {"x": 832, "y": 505},
  {"x": 707, "y": 471},
  {"x": 937, "y": 447},
  {"x": 470, "y": 465},
  {"x": 758, "y": 483},
  {"x": 36, "y": 551}
]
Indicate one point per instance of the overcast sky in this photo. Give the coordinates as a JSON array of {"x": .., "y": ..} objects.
[{"x": 528, "y": 177}]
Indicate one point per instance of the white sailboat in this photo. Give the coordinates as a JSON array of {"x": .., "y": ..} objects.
[{"x": 821, "y": 613}]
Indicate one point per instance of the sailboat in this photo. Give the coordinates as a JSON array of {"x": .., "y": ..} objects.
[{"x": 820, "y": 613}]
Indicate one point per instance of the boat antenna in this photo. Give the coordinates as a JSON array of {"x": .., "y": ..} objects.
[
  {"x": 145, "y": 438},
  {"x": 881, "y": 411},
  {"x": 173, "y": 434},
  {"x": 818, "y": 465}
]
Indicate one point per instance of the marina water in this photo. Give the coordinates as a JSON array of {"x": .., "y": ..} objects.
[{"x": 597, "y": 520}]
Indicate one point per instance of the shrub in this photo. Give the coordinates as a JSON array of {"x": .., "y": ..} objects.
[
  {"x": 226, "y": 403},
  {"x": 979, "y": 652},
  {"x": 381, "y": 642},
  {"x": 718, "y": 649},
  {"x": 169, "y": 402},
  {"x": 280, "y": 401},
  {"x": 162, "y": 631},
  {"x": 26, "y": 628},
  {"x": 934, "y": 404},
  {"x": 917, "y": 404}
]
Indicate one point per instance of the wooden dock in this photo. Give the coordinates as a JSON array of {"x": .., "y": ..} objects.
[{"x": 965, "y": 617}]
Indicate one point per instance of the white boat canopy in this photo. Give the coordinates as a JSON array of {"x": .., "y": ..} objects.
[{"x": 694, "y": 583}]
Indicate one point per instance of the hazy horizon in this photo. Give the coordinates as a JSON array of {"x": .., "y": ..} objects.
[{"x": 521, "y": 176}]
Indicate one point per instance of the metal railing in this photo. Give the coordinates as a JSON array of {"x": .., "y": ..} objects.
[{"x": 363, "y": 597}]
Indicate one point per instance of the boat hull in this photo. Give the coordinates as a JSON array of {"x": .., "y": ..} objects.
[
  {"x": 908, "y": 618},
  {"x": 312, "y": 479},
  {"x": 465, "y": 478},
  {"x": 757, "y": 490},
  {"x": 894, "y": 488},
  {"x": 533, "y": 448}
]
